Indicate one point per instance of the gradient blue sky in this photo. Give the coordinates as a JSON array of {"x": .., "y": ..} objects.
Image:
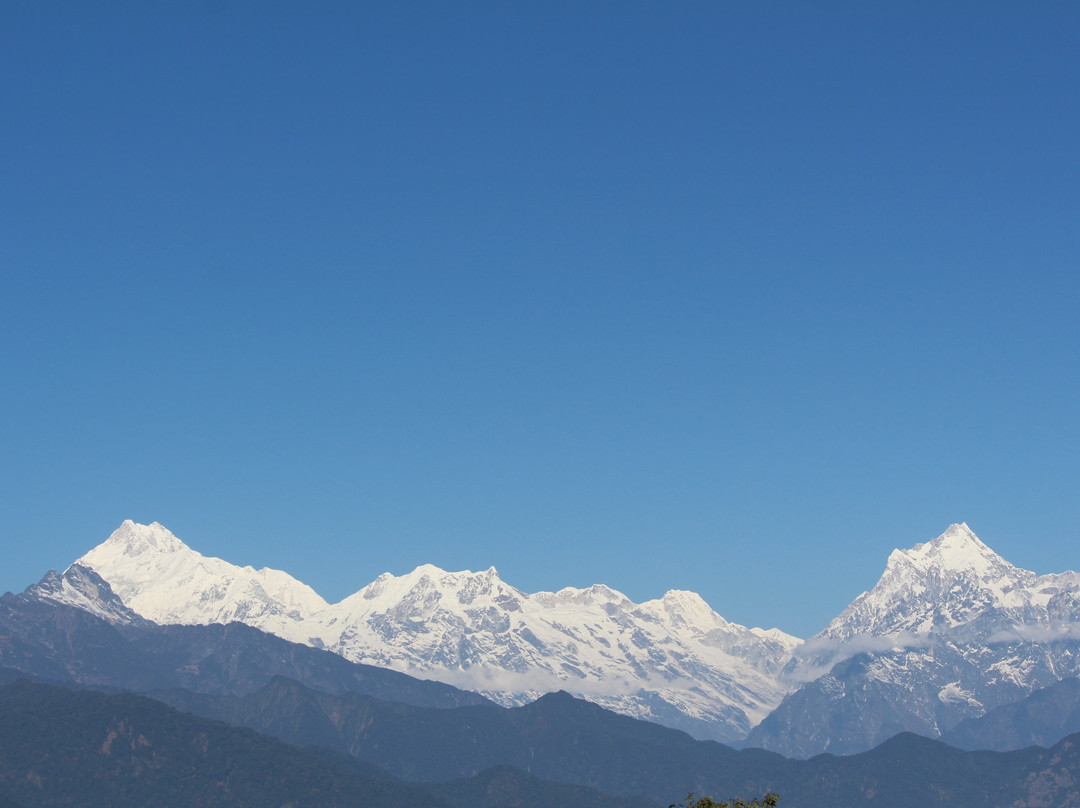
[{"x": 733, "y": 297}]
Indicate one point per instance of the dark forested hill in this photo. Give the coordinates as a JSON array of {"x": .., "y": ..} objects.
[
  {"x": 1041, "y": 719},
  {"x": 90, "y": 749},
  {"x": 62, "y": 747},
  {"x": 567, "y": 740}
]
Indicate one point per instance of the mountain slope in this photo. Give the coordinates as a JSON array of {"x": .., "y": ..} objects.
[
  {"x": 193, "y": 589},
  {"x": 950, "y": 630},
  {"x": 1041, "y": 719},
  {"x": 672, "y": 660},
  {"x": 45, "y": 638}
]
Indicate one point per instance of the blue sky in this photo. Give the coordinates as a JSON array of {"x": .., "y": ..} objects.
[{"x": 730, "y": 297}]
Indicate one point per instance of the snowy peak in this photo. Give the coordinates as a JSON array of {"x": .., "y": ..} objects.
[
  {"x": 595, "y": 595},
  {"x": 84, "y": 589},
  {"x": 957, "y": 549},
  {"x": 430, "y": 584},
  {"x": 679, "y": 608},
  {"x": 164, "y": 580},
  {"x": 132, "y": 539},
  {"x": 954, "y": 580}
]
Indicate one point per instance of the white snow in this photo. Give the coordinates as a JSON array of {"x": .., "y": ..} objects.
[{"x": 954, "y": 693}]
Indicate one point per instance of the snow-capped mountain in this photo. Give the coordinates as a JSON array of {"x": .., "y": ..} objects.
[
  {"x": 950, "y": 630},
  {"x": 952, "y": 581},
  {"x": 672, "y": 660},
  {"x": 84, "y": 589},
  {"x": 164, "y": 580}
]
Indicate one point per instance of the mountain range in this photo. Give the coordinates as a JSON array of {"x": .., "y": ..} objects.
[
  {"x": 371, "y": 731},
  {"x": 672, "y": 660},
  {"x": 950, "y": 631}
]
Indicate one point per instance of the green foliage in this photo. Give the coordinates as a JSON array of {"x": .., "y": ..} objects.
[{"x": 768, "y": 801}]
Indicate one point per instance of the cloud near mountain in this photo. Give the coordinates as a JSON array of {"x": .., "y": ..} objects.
[{"x": 835, "y": 650}]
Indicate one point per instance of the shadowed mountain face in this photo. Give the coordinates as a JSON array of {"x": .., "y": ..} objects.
[{"x": 1041, "y": 719}]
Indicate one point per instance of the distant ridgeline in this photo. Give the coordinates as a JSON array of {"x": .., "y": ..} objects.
[{"x": 950, "y": 643}]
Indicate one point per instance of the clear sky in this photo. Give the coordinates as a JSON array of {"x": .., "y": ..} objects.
[{"x": 725, "y": 296}]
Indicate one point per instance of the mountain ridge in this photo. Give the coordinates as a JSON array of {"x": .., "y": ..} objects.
[
  {"x": 949, "y": 631},
  {"x": 671, "y": 659},
  {"x": 46, "y": 639}
]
